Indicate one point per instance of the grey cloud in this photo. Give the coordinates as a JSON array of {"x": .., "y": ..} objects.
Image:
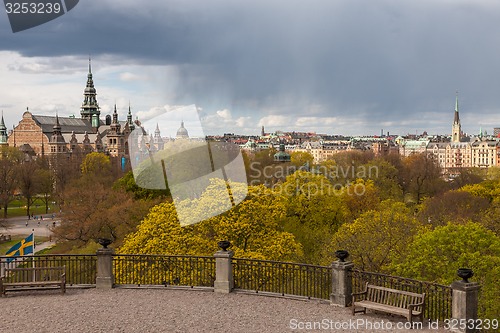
[{"x": 383, "y": 60}]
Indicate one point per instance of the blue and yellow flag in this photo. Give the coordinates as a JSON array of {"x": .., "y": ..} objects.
[{"x": 22, "y": 248}]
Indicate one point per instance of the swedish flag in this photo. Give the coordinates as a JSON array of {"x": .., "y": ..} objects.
[{"x": 22, "y": 248}]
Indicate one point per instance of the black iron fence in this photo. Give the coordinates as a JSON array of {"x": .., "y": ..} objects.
[
  {"x": 438, "y": 297},
  {"x": 283, "y": 278},
  {"x": 133, "y": 269},
  {"x": 80, "y": 269}
]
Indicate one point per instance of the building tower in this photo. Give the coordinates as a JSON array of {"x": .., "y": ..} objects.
[
  {"x": 115, "y": 137},
  {"x": 157, "y": 140},
  {"x": 456, "y": 129},
  {"x": 130, "y": 122},
  {"x": 57, "y": 143},
  {"x": 3, "y": 132},
  {"x": 90, "y": 107}
]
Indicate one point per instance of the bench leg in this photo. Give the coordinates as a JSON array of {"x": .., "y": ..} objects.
[{"x": 359, "y": 311}]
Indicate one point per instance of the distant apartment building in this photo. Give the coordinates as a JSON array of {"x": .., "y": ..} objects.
[{"x": 456, "y": 154}]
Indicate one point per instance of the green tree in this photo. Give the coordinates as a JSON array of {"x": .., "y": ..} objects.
[
  {"x": 127, "y": 182},
  {"x": 360, "y": 196},
  {"x": 376, "y": 237},
  {"x": 436, "y": 255},
  {"x": 314, "y": 211},
  {"x": 97, "y": 166},
  {"x": 301, "y": 158},
  {"x": 385, "y": 177}
]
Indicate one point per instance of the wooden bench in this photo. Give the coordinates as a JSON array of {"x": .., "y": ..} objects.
[
  {"x": 389, "y": 300},
  {"x": 33, "y": 278}
]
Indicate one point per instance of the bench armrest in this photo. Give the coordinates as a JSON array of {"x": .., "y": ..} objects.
[
  {"x": 411, "y": 306},
  {"x": 360, "y": 293},
  {"x": 359, "y": 296}
]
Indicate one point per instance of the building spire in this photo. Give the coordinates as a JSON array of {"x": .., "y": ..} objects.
[
  {"x": 90, "y": 107},
  {"x": 456, "y": 129},
  {"x": 2, "y": 124},
  {"x": 3, "y": 132}
]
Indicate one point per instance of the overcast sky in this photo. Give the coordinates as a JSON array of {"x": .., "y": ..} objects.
[{"x": 332, "y": 66}]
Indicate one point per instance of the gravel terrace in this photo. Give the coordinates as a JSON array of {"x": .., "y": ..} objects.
[{"x": 172, "y": 311}]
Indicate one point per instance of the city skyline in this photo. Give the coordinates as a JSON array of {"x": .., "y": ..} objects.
[{"x": 332, "y": 67}]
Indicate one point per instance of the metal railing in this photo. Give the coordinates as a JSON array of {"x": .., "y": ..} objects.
[
  {"x": 80, "y": 269},
  {"x": 283, "y": 278},
  {"x": 438, "y": 297},
  {"x": 136, "y": 269}
]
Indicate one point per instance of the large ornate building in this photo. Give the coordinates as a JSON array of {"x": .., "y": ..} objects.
[
  {"x": 39, "y": 135},
  {"x": 458, "y": 153}
]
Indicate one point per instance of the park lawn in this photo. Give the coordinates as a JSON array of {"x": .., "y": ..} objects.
[
  {"x": 4, "y": 247},
  {"x": 14, "y": 211}
]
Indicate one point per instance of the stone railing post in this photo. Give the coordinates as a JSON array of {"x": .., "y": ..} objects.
[
  {"x": 465, "y": 300},
  {"x": 341, "y": 280},
  {"x": 105, "y": 278},
  {"x": 224, "y": 282}
]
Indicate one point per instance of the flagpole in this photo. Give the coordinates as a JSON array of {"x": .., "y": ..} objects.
[{"x": 33, "y": 255}]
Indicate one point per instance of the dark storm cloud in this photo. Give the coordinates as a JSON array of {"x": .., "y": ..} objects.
[{"x": 386, "y": 61}]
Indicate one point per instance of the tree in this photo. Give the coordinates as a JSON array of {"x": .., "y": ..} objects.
[
  {"x": 360, "y": 196},
  {"x": 10, "y": 158},
  {"x": 421, "y": 176},
  {"x": 28, "y": 182},
  {"x": 301, "y": 158},
  {"x": 436, "y": 255},
  {"x": 97, "y": 166},
  {"x": 45, "y": 181},
  {"x": 453, "y": 206},
  {"x": 127, "y": 182},
  {"x": 94, "y": 210},
  {"x": 64, "y": 170},
  {"x": 252, "y": 227},
  {"x": 385, "y": 177},
  {"x": 376, "y": 237},
  {"x": 314, "y": 211},
  {"x": 261, "y": 168}
]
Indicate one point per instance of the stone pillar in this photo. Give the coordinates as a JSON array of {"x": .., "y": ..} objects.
[
  {"x": 105, "y": 278},
  {"x": 465, "y": 304},
  {"x": 224, "y": 281},
  {"x": 341, "y": 283}
]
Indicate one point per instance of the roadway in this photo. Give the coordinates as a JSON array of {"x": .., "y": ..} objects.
[{"x": 21, "y": 226}]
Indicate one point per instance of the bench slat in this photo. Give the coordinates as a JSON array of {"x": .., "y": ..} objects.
[{"x": 386, "y": 308}]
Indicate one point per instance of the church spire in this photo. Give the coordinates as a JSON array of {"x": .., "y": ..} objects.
[{"x": 456, "y": 129}]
